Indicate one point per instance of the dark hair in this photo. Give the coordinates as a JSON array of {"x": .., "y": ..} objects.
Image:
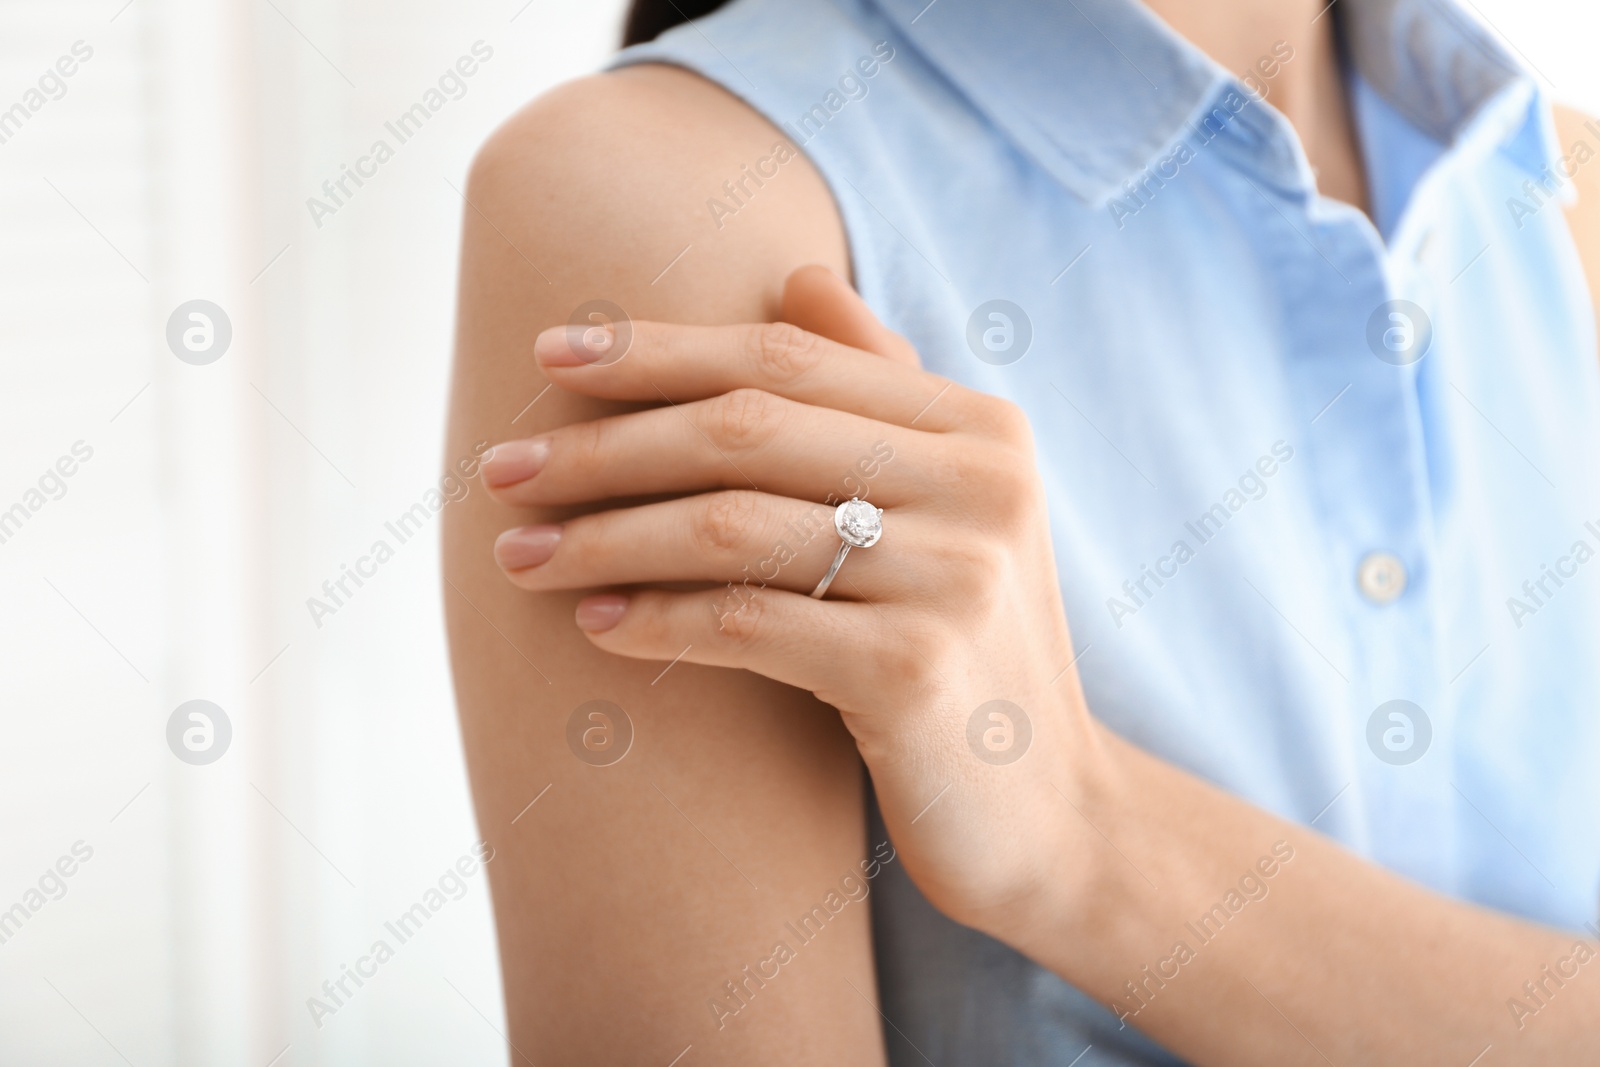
[{"x": 648, "y": 19}]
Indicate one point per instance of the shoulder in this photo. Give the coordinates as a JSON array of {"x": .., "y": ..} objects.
[
  {"x": 1575, "y": 129},
  {"x": 615, "y": 175}
]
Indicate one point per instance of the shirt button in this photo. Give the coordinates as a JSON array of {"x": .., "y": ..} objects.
[{"x": 1381, "y": 577}]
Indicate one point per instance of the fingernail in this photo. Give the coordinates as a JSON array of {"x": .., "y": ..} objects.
[
  {"x": 526, "y": 546},
  {"x": 515, "y": 461},
  {"x": 573, "y": 346},
  {"x": 596, "y": 614}
]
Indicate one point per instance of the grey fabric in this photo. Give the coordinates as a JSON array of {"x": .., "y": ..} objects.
[{"x": 957, "y": 998}]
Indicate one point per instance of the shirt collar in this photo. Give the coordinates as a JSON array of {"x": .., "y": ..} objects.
[{"x": 1098, "y": 90}]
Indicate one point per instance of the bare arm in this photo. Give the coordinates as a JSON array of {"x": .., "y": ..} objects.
[{"x": 629, "y": 894}]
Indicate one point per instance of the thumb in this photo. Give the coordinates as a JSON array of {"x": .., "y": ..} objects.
[{"x": 818, "y": 300}]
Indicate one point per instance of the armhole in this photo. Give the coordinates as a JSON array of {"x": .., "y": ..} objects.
[{"x": 863, "y": 261}]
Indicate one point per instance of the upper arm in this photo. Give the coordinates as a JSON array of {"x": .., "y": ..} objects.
[
  {"x": 629, "y": 894},
  {"x": 1583, "y": 215}
]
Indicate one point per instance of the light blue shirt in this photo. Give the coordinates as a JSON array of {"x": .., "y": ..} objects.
[{"x": 1299, "y": 466}]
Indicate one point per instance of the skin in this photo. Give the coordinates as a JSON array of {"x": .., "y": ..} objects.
[
  {"x": 618, "y": 917},
  {"x": 627, "y": 895},
  {"x": 1307, "y": 88},
  {"x": 1583, "y": 216}
]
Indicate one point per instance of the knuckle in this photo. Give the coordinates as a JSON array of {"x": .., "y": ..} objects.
[
  {"x": 727, "y": 522},
  {"x": 785, "y": 351},
  {"x": 1013, "y": 482},
  {"x": 898, "y": 674},
  {"x": 1011, "y": 423},
  {"x": 743, "y": 626},
  {"x": 582, "y": 447},
  {"x": 948, "y": 463},
  {"x": 1002, "y": 420},
  {"x": 904, "y": 667},
  {"x": 973, "y": 569},
  {"x": 744, "y": 418},
  {"x": 1004, "y": 481},
  {"x": 648, "y": 623}
]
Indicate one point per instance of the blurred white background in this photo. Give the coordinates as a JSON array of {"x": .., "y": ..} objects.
[
  {"x": 176, "y": 165},
  {"x": 176, "y": 562}
]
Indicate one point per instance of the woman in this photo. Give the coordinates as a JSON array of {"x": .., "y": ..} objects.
[{"x": 1247, "y": 335}]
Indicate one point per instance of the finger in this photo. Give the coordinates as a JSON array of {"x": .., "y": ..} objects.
[
  {"x": 752, "y": 540},
  {"x": 826, "y": 647},
  {"x": 818, "y": 300},
  {"x": 743, "y": 439},
  {"x": 666, "y": 361}
]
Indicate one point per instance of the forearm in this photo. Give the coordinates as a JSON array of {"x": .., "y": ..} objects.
[{"x": 1235, "y": 937}]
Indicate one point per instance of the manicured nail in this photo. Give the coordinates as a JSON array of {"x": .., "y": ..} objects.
[
  {"x": 526, "y": 546},
  {"x": 573, "y": 346},
  {"x": 515, "y": 461},
  {"x": 596, "y": 614}
]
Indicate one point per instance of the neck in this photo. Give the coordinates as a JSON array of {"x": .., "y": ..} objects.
[{"x": 1249, "y": 37}]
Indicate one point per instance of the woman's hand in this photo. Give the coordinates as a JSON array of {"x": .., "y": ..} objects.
[{"x": 944, "y": 645}]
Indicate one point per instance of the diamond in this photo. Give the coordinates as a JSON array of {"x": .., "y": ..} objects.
[{"x": 858, "y": 522}]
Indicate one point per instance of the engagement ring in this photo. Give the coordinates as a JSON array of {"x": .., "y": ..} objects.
[{"x": 859, "y": 525}]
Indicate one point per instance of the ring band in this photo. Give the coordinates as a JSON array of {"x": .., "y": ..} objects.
[
  {"x": 859, "y": 525},
  {"x": 838, "y": 561}
]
